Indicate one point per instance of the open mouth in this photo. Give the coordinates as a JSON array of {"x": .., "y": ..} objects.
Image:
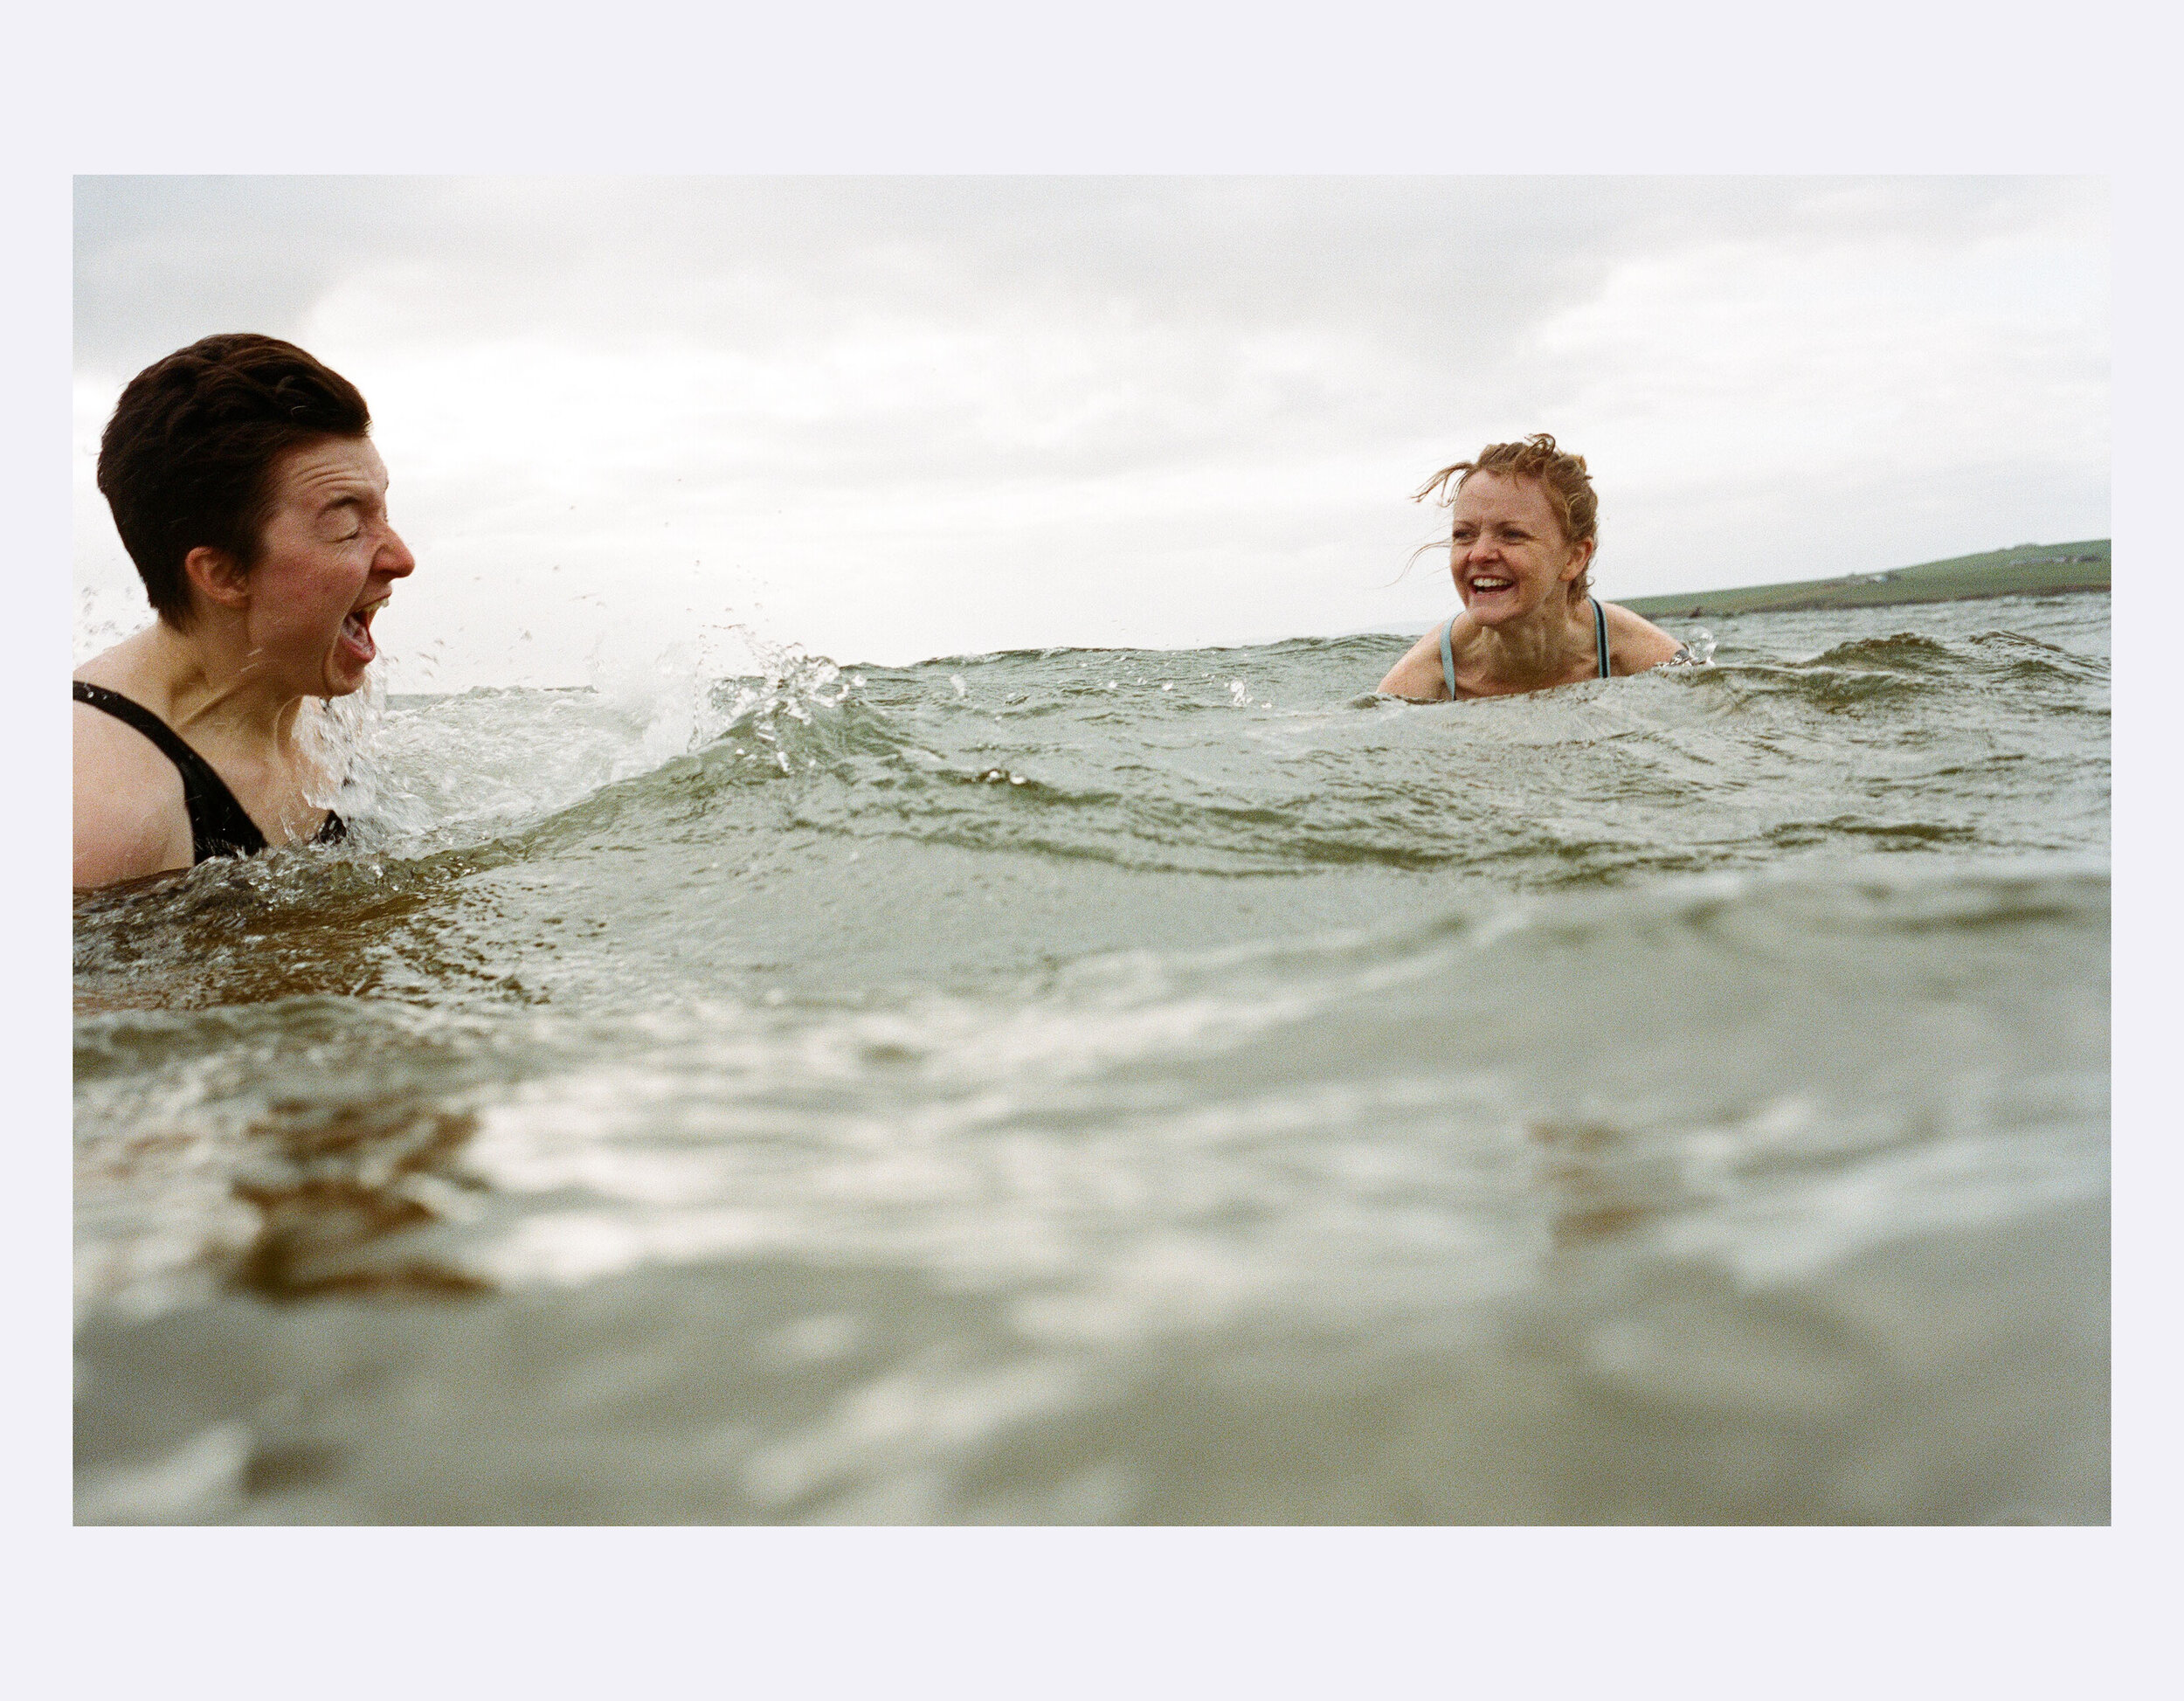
[
  {"x": 356, "y": 631},
  {"x": 1487, "y": 584}
]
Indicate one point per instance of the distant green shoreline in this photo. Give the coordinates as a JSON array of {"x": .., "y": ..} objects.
[{"x": 2030, "y": 570}]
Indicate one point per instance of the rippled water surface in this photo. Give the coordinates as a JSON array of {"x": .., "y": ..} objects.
[{"x": 1094, "y": 1086}]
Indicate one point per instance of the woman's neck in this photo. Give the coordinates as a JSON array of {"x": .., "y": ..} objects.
[
  {"x": 214, "y": 690},
  {"x": 1542, "y": 647}
]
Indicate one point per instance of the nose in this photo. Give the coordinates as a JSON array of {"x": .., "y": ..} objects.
[{"x": 394, "y": 560}]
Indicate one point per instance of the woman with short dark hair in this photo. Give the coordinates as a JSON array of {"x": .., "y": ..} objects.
[{"x": 245, "y": 488}]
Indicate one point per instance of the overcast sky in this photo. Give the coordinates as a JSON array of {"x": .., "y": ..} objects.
[{"x": 888, "y": 419}]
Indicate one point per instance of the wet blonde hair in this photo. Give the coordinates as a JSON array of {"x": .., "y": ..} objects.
[{"x": 1562, "y": 477}]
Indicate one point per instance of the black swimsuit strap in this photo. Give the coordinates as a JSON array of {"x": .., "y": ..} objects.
[{"x": 219, "y": 825}]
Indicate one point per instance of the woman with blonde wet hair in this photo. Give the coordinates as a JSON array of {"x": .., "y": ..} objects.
[{"x": 1523, "y": 527}]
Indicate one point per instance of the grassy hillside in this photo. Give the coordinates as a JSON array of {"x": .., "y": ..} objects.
[{"x": 2028, "y": 570}]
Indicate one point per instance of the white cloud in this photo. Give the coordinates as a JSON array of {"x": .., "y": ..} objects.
[{"x": 893, "y": 417}]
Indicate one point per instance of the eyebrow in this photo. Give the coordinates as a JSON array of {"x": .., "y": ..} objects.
[{"x": 351, "y": 498}]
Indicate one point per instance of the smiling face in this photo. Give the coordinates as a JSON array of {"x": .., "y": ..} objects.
[
  {"x": 326, "y": 564},
  {"x": 1507, "y": 551}
]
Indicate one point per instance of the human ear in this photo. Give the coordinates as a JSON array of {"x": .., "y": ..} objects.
[{"x": 217, "y": 577}]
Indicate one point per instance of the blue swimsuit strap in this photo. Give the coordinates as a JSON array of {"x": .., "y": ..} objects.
[{"x": 1599, "y": 644}]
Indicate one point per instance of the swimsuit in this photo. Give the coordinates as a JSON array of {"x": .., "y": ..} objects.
[
  {"x": 219, "y": 825},
  {"x": 1449, "y": 656}
]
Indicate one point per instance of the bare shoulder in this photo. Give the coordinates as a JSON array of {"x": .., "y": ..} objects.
[
  {"x": 1635, "y": 644},
  {"x": 130, "y": 820},
  {"x": 1418, "y": 674}
]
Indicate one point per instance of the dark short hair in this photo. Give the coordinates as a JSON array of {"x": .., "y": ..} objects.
[{"x": 187, "y": 460}]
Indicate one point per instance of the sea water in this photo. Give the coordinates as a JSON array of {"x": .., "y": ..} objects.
[{"x": 1146, "y": 1087}]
